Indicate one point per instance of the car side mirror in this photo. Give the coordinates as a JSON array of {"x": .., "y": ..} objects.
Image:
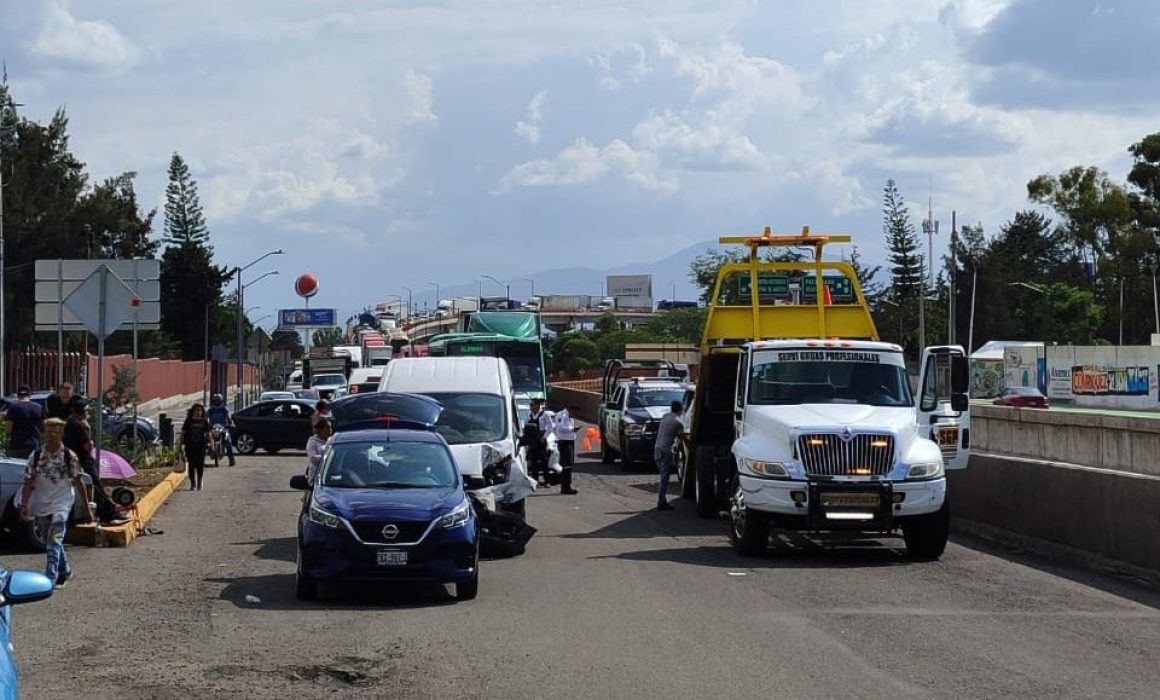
[
  {"x": 960, "y": 375},
  {"x": 300, "y": 482},
  {"x": 26, "y": 587},
  {"x": 960, "y": 402}
]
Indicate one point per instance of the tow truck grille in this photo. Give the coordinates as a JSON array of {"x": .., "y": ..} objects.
[{"x": 835, "y": 454}]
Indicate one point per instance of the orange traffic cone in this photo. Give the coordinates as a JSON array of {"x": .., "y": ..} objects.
[{"x": 591, "y": 435}]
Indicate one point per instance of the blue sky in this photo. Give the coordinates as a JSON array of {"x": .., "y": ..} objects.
[{"x": 384, "y": 144}]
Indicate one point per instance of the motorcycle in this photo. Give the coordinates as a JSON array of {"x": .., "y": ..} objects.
[{"x": 218, "y": 447}]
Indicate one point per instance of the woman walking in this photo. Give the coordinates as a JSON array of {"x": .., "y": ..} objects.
[{"x": 196, "y": 436}]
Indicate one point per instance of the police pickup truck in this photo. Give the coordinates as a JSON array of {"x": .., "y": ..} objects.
[{"x": 632, "y": 407}]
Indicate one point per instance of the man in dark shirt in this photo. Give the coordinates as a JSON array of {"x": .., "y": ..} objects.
[
  {"x": 59, "y": 405},
  {"x": 78, "y": 438},
  {"x": 24, "y": 420}
]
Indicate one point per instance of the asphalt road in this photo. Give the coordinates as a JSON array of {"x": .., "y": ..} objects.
[{"x": 611, "y": 601}]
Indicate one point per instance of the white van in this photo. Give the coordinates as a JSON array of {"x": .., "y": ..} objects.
[{"x": 479, "y": 412}]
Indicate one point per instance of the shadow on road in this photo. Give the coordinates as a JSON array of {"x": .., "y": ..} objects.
[
  {"x": 274, "y": 549},
  {"x": 786, "y": 551},
  {"x": 276, "y": 592},
  {"x": 653, "y": 523}
]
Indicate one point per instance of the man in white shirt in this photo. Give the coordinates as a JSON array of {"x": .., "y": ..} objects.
[
  {"x": 537, "y": 443},
  {"x": 47, "y": 499},
  {"x": 566, "y": 444}
]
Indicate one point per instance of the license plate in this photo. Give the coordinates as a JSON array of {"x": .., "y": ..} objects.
[
  {"x": 851, "y": 500},
  {"x": 390, "y": 558},
  {"x": 948, "y": 438}
]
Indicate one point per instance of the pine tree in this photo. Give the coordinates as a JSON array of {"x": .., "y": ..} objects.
[
  {"x": 902, "y": 241},
  {"x": 866, "y": 276},
  {"x": 190, "y": 282}
]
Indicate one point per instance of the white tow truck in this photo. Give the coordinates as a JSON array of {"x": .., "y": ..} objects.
[{"x": 803, "y": 421}]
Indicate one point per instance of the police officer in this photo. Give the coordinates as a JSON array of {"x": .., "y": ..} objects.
[
  {"x": 540, "y": 426},
  {"x": 566, "y": 444},
  {"x": 219, "y": 414}
]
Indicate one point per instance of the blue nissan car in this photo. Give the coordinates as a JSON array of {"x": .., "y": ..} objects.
[{"x": 387, "y": 502}]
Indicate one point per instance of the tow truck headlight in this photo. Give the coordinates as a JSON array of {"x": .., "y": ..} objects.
[
  {"x": 925, "y": 470},
  {"x": 324, "y": 518},
  {"x": 772, "y": 470},
  {"x": 457, "y": 517}
]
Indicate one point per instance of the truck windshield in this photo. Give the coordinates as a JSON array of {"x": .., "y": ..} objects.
[
  {"x": 471, "y": 418},
  {"x": 329, "y": 380},
  {"x": 643, "y": 396},
  {"x": 794, "y": 376}
]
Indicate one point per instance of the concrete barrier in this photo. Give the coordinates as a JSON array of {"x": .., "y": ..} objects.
[
  {"x": 1111, "y": 514},
  {"x": 1104, "y": 441},
  {"x": 587, "y": 403}
]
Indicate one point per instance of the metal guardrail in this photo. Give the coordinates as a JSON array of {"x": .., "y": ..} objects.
[{"x": 580, "y": 384}]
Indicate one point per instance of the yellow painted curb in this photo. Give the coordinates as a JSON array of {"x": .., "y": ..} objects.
[{"x": 123, "y": 535}]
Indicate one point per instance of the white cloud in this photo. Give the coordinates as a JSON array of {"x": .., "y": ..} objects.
[
  {"x": 710, "y": 146},
  {"x": 530, "y": 130},
  {"x": 582, "y": 163},
  {"x": 85, "y": 44},
  {"x": 422, "y": 101}
]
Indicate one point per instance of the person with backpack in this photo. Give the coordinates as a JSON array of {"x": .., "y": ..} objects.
[
  {"x": 51, "y": 482},
  {"x": 196, "y": 437}
]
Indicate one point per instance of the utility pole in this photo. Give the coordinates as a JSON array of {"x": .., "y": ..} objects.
[
  {"x": 930, "y": 228},
  {"x": 6, "y": 111},
  {"x": 951, "y": 296}
]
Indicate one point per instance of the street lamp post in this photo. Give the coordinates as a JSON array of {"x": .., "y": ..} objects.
[
  {"x": 436, "y": 286},
  {"x": 930, "y": 228},
  {"x": 241, "y": 305},
  {"x": 531, "y": 282},
  {"x": 507, "y": 288},
  {"x": 409, "y": 293}
]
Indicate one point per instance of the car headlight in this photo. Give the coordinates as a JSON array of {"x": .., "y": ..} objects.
[
  {"x": 634, "y": 428},
  {"x": 772, "y": 470},
  {"x": 925, "y": 470},
  {"x": 457, "y": 517},
  {"x": 324, "y": 518}
]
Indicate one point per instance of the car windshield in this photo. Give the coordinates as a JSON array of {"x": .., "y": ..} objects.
[
  {"x": 646, "y": 396},
  {"x": 471, "y": 418},
  {"x": 793, "y": 376},
  {"x": 329, "y": 380},
  {"x": 388, "y": 464}
]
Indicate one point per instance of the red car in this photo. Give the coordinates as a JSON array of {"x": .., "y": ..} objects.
[{"x": 1023, "y": 397}]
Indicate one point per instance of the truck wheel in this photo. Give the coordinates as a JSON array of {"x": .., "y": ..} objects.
[
  {"x": 926, "y": 535},
  {"x": 607, "y": 454},
  {"x": 706, "y": 467},
  {"x": 749, "y": 530},
  {"x": 625, "y": 457},
  {"x": 679, "y": 462}
]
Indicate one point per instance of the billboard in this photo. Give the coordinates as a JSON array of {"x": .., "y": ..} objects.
[
  {"x": 629, "y": 286},
  {"x": 307, "y": 318}
]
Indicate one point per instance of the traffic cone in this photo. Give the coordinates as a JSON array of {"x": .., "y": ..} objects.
[
  {"x": 827, "y": 298},
  {"x": 591, "y": 436}
]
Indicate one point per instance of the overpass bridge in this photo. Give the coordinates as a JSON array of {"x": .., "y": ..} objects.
[{"x": 556, "y": 321}]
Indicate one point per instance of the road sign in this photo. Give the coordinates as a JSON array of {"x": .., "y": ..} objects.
[
  {"x": 57, "y": 279},
  {"x": 840, "y": 287},
  {"x": 102, "y": 302},
  {"x": 307, "y": 318},
  {"x": 768, "y": 284}
]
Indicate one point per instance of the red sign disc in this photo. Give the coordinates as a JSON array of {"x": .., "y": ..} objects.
[{"x": 306, "y": 285}]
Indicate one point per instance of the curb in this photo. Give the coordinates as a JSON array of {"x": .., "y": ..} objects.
[{"x": 123, "y": 535}]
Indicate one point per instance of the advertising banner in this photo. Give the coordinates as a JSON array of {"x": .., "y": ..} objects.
[{"x": 1105, "y": 376}]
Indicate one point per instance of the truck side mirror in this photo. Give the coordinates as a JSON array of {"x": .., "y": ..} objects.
[
  {"x": 960, "y": 402},
  {"x": 960, "y": 375}
]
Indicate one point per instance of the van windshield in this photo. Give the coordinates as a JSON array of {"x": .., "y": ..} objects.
[
  {"x": 471, "y": 418},
  {"x": 799, "y": 376}
]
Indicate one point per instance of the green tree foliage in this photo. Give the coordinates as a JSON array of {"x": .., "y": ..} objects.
[
  {"x": 328, "y": 337},
  {"x": 704, "y": 268},
  {"x": 678, "y": 326},
  {"x": 898, "y": 305},
  {"x": 867, "y": 276},
  {"x": 189, "y": 279},
  {"x": 573, "y": 353},
  {"x": 287, "y": 341}
]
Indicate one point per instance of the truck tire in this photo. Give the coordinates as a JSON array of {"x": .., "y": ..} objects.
[
  {"x": 748, "y": 530},
  {"x": 926, "y": 535},
  {"x": 706, "y": 467},
  {"x": 625, "y": 457},
  {"x": 607, "y": 454}
]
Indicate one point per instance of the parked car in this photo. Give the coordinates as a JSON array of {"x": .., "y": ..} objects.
[
  {"x": 16, "y": 531},
  {"x": 1023, "y": 397},
  {"x": 16, "y": 588},
  {"x": 387, "y": 505},
  {"x": 275, "y": 395},
  {"x": 116, "y": 426},
  {"x": 273, "y": 425}
]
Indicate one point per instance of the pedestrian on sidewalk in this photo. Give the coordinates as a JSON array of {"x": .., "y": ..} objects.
[
  {"x": 78, "y": 437},
  {"x": 566, "y": 444},
  {"x": 59, "y": 404},
  {"x": 321, "y": 411},
  {"x": 51, "y": 482},
  {"x": 196, "y": 437},
  {"x": 323, "y": 429},
  {"x": 25, "y": 421},
  {"x": 670, "y": 430},
  {"x": 219, "y": 414}
]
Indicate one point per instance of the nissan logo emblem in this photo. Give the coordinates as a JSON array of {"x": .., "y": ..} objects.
[{"x": 390, "y": 532}]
